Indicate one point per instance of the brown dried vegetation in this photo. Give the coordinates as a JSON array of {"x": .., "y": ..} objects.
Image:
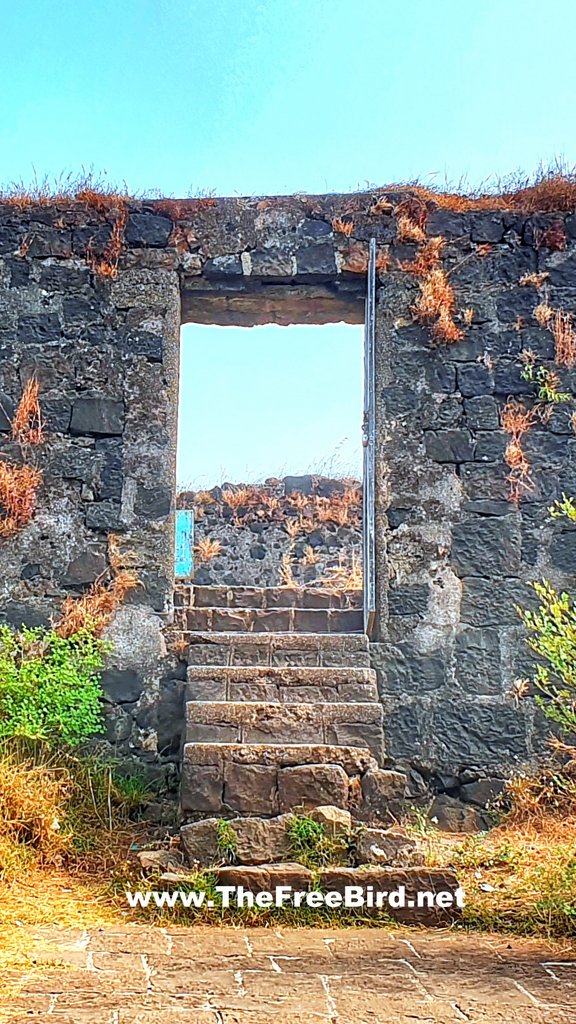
[
  {"x": 206, "y": 549},
  {"x": 343, "y": 227},
  {"x": 93, "y": 611},
  {"x": 435, "y": 305},
  {"x": 564, "y": 339},
  {"x": 517, "y": 420},
  {"x": 27, "y": 425},
  {"x": 19, "y": 487},
  {"x": 534, "y": 279}
]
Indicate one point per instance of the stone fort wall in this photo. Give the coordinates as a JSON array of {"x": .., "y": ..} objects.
[{"x": 92, "y": 296}]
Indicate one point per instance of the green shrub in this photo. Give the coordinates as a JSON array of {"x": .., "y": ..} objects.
[
  {"x": 49, "y": 686},
  {"x": 553, "y": 639}
]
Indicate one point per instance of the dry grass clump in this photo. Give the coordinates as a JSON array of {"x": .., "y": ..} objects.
[
  {"x": 31, "y": 800},
  {"x": 552, "y": 237},
  {"x": 534, "y": 279},
  {"x": 435, "y": 305},
  {"x": 543, "y": 314},
  {"x": 107, "y": 264},
  {"x": 346, "y": 577},
  {"x": 19, "y": 486},
  {"x": 343, "y": 227},
  {"x": 206, "y": 549},
  {"x": 408, "y": 231},
  {"x": 549, "y": 190},
  {"x": 86, "y": 187},
  {"x": 27, "y": 427},
  {"x": 427, "y": 258},
  {"x": 564, "y": 339},
  {"x": 517, "y": 420},
  {"x": 93, "y": 611}
]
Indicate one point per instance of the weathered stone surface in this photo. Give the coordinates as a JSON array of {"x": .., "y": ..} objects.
[
  {"x": 451, "y": 815},
  {"x": 312, "y": 785},
  {"x": 384, "y": 793},
  {"x": 388, "y": 847},
  {"x": 335, "y": 820},
  {"x": 86, "y": 566},
  {"x": 486, "y": 547},
  {"x": 251, "y": 788},
  {"x": 483, "y": 792},
  {"x": 449, "y": 445},
  {"x": 159, "y": 860},
  {"x": 122, "y": 686},
  {"x": 100, "y": 416},
  {"x": 478, "y": 660},
  {"x": 415, "y": 880}
]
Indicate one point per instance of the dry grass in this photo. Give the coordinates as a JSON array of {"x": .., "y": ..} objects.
[
  {"x": 534, "y": 280},
  {"x": 27, "y": 425},
  {"x": 343, "y": 227},
  {"x": 435, "y": 305},
  {"x": 86, "y": 187},
  {"x": 552, "y": 237},
  {"x": 206, "y": 549},
  {"x": 564, "y": 339},
  {"x": 550, "y": 190},
  {"x": 107, "y": 264},
  {"x": 517, "y": 420},
  {"x": 468, "y": 316},
  {"x": 310, "y": 556},
  {"x": 427, "y": 258},
  {"x": 286, "y": 571},
  {"x": 94, "y": 610},
  {"x": 408, "y": 230},
  {"x": 19, "y": 486},
  {"x": 346, "y": 577},
  {"x": 543, "y": 314}
]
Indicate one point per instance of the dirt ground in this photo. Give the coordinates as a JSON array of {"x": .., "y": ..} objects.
[{"x": 200, "y": 975}]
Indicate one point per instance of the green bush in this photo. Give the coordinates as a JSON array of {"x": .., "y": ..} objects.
[
  {"x": 553, "y": 639},
  {"x": 49, "y": 686}
]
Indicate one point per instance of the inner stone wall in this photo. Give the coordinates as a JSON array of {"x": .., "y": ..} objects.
[
  {"x": 92, "y": 295},
  {"x": 300, "y": 531}
]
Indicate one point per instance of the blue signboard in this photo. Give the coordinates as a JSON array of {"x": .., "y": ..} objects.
[{"x": 184, "y": 543}]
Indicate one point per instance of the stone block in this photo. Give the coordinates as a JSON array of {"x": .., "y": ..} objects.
[
  {"x": 486, "y": 547},
  {"x": 416, "y": 881},
  {"x": 478, "y": 660},
  {"x": 487, "y": 603},
  {"x": 392, "y": 847},
  {"x": 383, "y": 794},
  {"x": 312, "y": 785},
  {"x": 336, "y": 820},
  {"x": 148, "y": 229},
  {"x": 482, "y": 413},
  {"x": 202, "y": 788},
  {"x": 469, "y": 732},
  {"x": 409, "y": 599},
  {"x": 450, "y": 815},
  {"x": 153, "y": 502},
  {"x": 98, "y": 416},
  {"x": 122, "y": 685},
  {"x": 86, "y": 567},
  {"x": 474, "y": 379},
  {"x": 483, "y": 792},
  {"x": 317, "y": 260},
  {"x": 251, "y": 788},
  {"x": 449, "y": 445}
]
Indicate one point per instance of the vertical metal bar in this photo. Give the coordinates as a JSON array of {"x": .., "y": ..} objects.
[{"x": 369, "y": 444}]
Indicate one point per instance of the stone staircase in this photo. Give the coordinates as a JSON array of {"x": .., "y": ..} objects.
[{"x": 280, "y": 715}]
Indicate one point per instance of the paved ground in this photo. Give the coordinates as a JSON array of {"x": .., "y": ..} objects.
[{"x": 286, "y": 976}]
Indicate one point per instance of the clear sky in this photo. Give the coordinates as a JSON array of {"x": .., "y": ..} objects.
[{"x": 273, "y": 96}]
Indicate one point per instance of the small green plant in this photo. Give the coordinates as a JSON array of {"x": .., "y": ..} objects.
[
  {"x": 226, "y": 841},
  {"x": 50, "y": 686},
  {"x": 564, "y": 508},
  {"x": 546, "y": 381},
  {"x": 553, "y": 639},
  {"x": 131, "y": 790},
  {"x": 311, "y": 845}
]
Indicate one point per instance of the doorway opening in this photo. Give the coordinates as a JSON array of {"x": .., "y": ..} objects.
[{"x": 270, "y": 456}]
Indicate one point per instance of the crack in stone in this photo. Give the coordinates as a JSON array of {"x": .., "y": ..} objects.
[{"x": 333, "y": 1015}]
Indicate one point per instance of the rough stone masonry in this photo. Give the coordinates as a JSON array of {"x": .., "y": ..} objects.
[{"x": 92, "y": 297}]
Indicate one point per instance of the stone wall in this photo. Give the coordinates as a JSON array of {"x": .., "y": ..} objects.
[
  {"x": 300, "y": 531},
  {"x": 92, "y": 295}
]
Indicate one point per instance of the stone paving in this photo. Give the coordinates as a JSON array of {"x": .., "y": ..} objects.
[{"x": 196, "y": 975}]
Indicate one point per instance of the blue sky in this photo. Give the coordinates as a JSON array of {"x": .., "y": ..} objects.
[{"x": 275, "y": 96}]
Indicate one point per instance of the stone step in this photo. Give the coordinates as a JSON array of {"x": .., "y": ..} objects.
[
  {"x": 329, "y": 650},
  {"x": 267, "y": 779},
  {"x": 352, "y": 724},
  {"x": 284, "y": 685},
  {"x": 266, "y": 598},
  {"x": 279, "y": 620}
]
